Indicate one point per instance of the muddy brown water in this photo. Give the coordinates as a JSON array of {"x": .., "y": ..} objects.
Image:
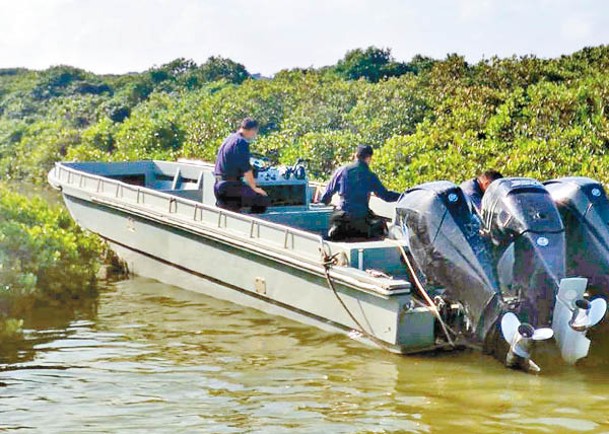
[{"x": 147, "y": 357}]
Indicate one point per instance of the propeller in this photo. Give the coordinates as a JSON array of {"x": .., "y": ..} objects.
[
  {"x": 587, "y": 314},
  {"x": 521, "y": 337},
  {"x": 573, "y": 316}
]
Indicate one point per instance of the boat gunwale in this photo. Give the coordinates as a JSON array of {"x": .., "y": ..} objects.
[
  {"x": 225, "y": 236},
  {"x": 198, "y": 205}
]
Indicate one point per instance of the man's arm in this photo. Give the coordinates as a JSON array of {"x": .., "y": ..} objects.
[
  {"x": 330, "y": 189},
  {"x": 249, "y": 178},
  {"x": 380, "y": 191},
  {"x": 244, "y": 164}
]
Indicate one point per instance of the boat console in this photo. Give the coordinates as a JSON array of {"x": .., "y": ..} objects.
[{"x": 285, "y": 185}]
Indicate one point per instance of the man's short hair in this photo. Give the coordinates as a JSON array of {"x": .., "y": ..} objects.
[
  {"x": 249, "y": 124},
  {"x": 491, "y": 175},
  {"x": 363, "y": 152}
]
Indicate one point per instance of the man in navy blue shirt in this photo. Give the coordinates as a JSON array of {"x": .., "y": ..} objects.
[
  {"x": 233, "y": 167},
  {"x": 354, "y": 183},
  {"x": 475, "y": 188}
]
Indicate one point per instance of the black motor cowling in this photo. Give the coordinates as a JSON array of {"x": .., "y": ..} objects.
[
  {"x": 445, "y": 241},
  {"x": 584, "y": 208},
  {"x": 525, "y": 225}
]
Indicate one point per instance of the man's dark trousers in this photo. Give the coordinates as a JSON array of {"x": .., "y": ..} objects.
[
  {"x": 235, "y": 195},
  {"x": 344, "y": 226}
]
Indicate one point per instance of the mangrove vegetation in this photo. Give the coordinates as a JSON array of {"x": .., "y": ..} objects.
[{"x": 427, "y": 118}]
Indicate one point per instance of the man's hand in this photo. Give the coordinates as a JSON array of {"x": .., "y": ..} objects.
[
  {"x": 249, "y": 178},
  {"x": 259, "y": 191}
]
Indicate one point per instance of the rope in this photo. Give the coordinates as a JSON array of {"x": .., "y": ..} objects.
[
  {"x": 419, "y": 286},
  {"x": 328, "y": 262}
]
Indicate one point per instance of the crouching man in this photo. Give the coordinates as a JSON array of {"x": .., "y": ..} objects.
[
  {"x": 233, "y": 167},
  {"x": 354, "y": 183}
]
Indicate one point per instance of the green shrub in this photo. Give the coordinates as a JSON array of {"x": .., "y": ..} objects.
[
  {"x": 427, "y": 118},
  {"x": 44, "y": 257}
]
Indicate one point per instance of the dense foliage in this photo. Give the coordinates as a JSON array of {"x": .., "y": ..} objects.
[
  {"x": 428, "y": 119},
  {"x": 44, "y": 256}
]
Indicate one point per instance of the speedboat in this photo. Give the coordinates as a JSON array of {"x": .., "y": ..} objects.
[
  {"x": 444, "y": 278},
  {"x": 161, "y": 219}
]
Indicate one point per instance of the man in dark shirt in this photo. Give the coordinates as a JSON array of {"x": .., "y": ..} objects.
[
  {"x": 354, "y": 183},
  {"x": 475, "y": 188},
  {"x": 232, "y": 167}
]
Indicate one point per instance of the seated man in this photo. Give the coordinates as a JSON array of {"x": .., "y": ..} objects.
[
  {"x": 475, "y": 188},
  {"x": 354, "y": 183},
  {"x": 232, "y": 166}
]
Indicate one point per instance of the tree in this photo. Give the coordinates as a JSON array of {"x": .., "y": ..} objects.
[
  {"x": 373, "y": 64},
  {"x": 62, "y": 80},
  {"x": 218, "y": 68},
  {"x": 420, "y": 63},
  {"x": 172, "y": 71},
  {"x": 179, "y": 66}
]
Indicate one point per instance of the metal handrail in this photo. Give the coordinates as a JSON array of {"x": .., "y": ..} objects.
[
  {"x": 361, "y": 282},
  {"x": 175, "y": 201}
]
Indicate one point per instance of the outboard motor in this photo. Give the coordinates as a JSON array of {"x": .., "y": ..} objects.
[
  {"x": 584, "y": 209},
  {"x": 445, "y": 241},
  {"x": 525, "y": 225}
]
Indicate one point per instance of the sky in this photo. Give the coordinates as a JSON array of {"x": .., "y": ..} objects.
[{"x": 118, "y": 36}]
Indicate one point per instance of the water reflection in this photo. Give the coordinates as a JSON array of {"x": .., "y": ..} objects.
[
  {"x": 156, "y": 358},
  {"x": 44, "y": 322}
]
